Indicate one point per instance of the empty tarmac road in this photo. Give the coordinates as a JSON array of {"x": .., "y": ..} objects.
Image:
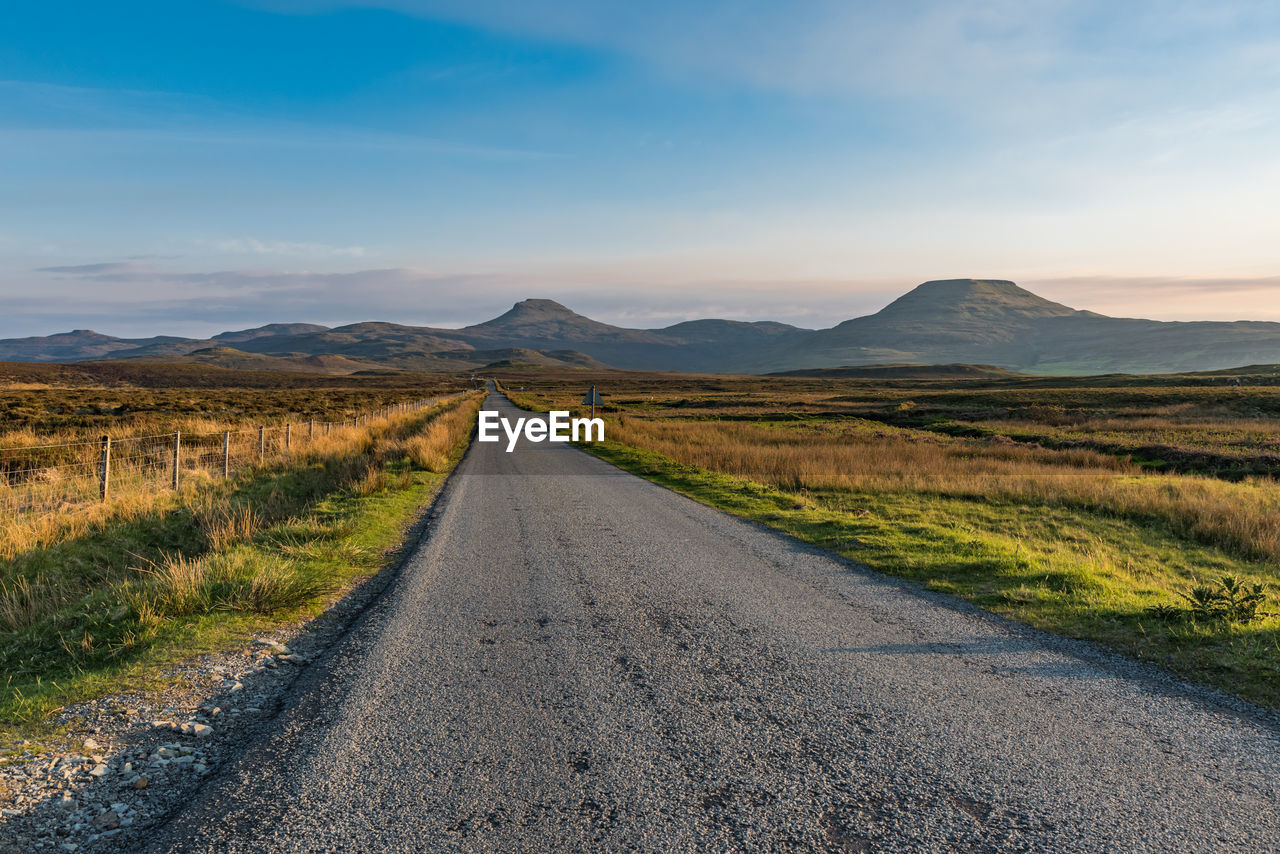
[{"x": 578, "y": 660}]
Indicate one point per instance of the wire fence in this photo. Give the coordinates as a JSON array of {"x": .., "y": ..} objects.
[{"x": 61, "y": 477}]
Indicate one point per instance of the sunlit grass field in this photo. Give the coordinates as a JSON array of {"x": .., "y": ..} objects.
[
  {"x": 96, "y": 600},
  {"x": 1080, "y": 537}
]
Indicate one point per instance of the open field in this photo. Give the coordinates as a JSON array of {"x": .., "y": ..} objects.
[
  {"x": 41, "y": 403},
  {"x": 1062, "y": 525},
  {"x": 99, "y": 597}
]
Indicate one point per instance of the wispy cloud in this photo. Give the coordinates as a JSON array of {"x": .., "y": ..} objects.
[
  {"x": 108, "y": 268},
  {"x": 252, "y": 246},
  {"x": 977, "y": 49}
]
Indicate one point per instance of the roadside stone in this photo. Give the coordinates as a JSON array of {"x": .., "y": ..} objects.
[
  {"x": 91, "y": 744},
  {"x": 202, "y": 731},
  {"x": 98, "y": 770},
  {"x": 140, "y": 783},
  {"x": 108, "y": 820},
  {"x": 275, "y": 646}
]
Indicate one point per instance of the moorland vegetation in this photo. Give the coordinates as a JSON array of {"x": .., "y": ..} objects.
[{"x": 1133, "y": 511}]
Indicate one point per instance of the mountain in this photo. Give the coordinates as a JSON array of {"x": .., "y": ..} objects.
[
  {"x": 699, "y": 345},
  {"x": 71, "y": 346},
  {"x": 271, "y": 329},
  {"x": 389, "y": 344},
  {"x": 541, "y": 320},
  {"x": 954, "y": 320},
  {"x": 994, "y": 322},
  {"x": 84, "y": 344},
  {"x": 986, "y": 322}
]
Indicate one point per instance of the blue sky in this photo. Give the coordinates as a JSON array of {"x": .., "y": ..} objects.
[{"x": 194, "y": 167}]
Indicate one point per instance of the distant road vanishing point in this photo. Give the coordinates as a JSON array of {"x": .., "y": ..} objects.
[{"x": 578, "y": 660}]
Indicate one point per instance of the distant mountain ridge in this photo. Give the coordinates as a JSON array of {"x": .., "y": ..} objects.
[{"x": 952, "y": 321}]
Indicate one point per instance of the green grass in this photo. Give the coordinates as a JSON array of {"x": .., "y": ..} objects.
[
  {"x": 1061, "y": 569},
  {"x": 159, "y": 590}
]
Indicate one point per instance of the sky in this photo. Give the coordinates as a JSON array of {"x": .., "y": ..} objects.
[{"x": 187, "y": 168}]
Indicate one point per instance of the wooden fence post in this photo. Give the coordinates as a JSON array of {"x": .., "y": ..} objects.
[
  {"x": 226, "y": 454},
  {"x": 262, "y": 444},
  {"x": 311, "y": 429},
  {"x": 177, "y": 458},
  {"x": 104, "y": 485},
  {"x": 288, "y": 434}
]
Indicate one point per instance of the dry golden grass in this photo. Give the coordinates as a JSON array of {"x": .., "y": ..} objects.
[
  {"x": 178, "y": 586},
  {"x": 142, "y": 488},
  {"x": 152, "y": 587},
  {"x": 223, "y": 524},
  {"x": 23, "y": 601},
  {"x": 355, "y": 457},
  {"x": 430, "y": 449},
  {"x": 1243, "y": 517}
]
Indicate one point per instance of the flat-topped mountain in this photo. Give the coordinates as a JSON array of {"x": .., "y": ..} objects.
[
  {"x": 994, "y": 322},
  {"x": 952, "y": 321},
  {"x": 980, "y": 302}
]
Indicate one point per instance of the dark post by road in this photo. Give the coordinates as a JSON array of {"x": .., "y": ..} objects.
[
  {"x": 593, "y": 397},
  {"x": 104, "y": 486}
]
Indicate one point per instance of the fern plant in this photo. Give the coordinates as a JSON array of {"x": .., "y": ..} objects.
[
  {"x": 1232, "y": 601},
  {"x": 1241, "y": 601}
]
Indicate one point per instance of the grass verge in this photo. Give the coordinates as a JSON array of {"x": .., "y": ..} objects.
[{"x": 106, "y": 610}]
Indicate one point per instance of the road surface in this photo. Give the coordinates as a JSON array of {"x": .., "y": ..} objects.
[{"x": 578, "y": 660}]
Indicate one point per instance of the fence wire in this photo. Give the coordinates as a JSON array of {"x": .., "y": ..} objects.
[{"x": 62, "y": 477}]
